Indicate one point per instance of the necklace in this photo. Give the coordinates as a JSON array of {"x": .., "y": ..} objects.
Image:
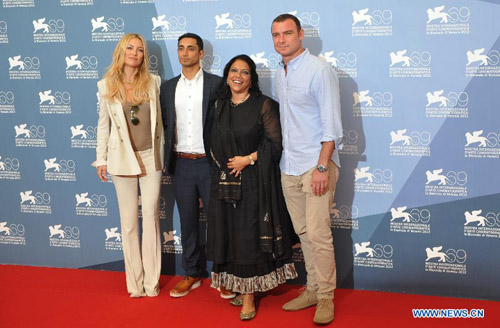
[
  {"x": 241, "y": 102},
  {"x": 128, "y": 82}
]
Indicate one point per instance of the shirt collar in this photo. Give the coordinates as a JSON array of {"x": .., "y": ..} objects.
[
  {"x": 195, "y": 79},
  {"x": 297, "y": 60}
]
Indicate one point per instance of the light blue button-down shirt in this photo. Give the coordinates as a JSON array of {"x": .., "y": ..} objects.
[{"x": 309, "y": 101}]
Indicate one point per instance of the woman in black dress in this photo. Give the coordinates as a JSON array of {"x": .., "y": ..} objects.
[{"x": 249, "y": 227}]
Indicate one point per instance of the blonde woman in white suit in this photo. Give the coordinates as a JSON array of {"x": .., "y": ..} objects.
[{"x": 130, "y": 147}]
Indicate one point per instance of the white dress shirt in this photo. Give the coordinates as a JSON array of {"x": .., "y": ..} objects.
[{"x": 189, "y": 114}]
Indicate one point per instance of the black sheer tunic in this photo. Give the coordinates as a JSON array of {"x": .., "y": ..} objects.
[{"x": 233, "y": 231}]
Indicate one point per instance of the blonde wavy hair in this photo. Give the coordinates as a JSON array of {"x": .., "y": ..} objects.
[{"x": 114, "y": 76}]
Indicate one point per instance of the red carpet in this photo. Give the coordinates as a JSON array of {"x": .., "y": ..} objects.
[{"x": 46, "y": 297}]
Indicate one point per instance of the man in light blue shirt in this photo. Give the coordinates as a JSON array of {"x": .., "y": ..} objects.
[{"x": 307, "y": 89}]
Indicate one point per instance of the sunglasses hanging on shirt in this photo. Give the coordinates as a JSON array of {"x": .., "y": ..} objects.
[{"x": 133, "y": 111}]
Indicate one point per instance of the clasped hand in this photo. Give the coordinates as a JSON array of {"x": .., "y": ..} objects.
[{"x": 237, "y": 164}]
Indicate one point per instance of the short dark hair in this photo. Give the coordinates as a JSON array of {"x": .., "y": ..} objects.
[
  {"x": 199, "y": 41},
  {"x": 283, "y": 17},
  {"x": 225, "y": 91}
]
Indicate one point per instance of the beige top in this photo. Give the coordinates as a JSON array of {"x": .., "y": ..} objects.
[{"x": 140, "y": 134}]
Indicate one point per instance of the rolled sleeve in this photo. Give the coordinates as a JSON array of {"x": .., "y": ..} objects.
[{"x": 327, "y": 92}]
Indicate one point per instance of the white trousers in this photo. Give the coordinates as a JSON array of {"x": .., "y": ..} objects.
[{"x": 142, "y": 269}]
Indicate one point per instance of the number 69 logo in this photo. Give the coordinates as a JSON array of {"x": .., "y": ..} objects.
[
  {"x": 456, "y": 255},
  {"x": 71, "y": 232},
  {"x": 3, "y": 27},
  {"x": 420, "y": 215},
  {"x": 6, "y": 98},
  {"x": 385, "y": 251}
]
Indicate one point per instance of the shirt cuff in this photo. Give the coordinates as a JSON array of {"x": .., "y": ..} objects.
[
  {"x": 98, "y": 163},
  {"x": 337, "y": 140}
]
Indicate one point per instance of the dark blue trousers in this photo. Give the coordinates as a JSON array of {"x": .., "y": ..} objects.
[{"x": 191, "y": 180}]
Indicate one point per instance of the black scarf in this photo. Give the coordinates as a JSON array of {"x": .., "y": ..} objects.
[
  {"x": 271, "y": 202},
  {"x": 223, "y": 147}
]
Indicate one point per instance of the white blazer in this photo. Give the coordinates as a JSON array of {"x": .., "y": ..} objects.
[{"x": 114, "y": 148}]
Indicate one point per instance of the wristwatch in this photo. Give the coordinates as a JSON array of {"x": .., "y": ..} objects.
[
  {"x": 322, "y": 168},
  {"x": 252, "y": 162}
]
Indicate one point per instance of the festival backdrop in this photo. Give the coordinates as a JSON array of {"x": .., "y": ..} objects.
[{"x": 417, "y": 206}]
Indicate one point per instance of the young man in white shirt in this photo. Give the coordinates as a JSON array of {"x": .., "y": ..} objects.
[{"x": 187, "y": 102}]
